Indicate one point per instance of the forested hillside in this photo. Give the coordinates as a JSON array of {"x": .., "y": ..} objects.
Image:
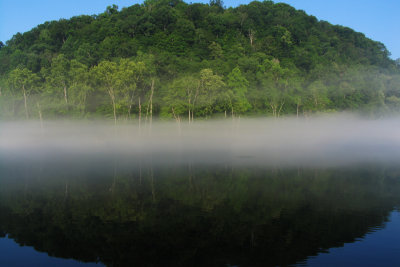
[{"x": 171, "y": 59}]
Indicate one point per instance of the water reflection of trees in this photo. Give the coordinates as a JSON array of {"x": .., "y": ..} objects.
[{"x": 194, "y": 215}]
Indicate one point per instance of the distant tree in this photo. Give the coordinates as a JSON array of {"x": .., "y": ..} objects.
[
  {"x": 274, "y": 81},
  {"x": 110, "y": 10},
  {"x": 215, "y": 50},
  {"x": 79, "y": 84},
  {"x": 129, "y": 75},
  {"x": 217, "y": 3},
  {"x": 296, "y": 93},
  {"x": 238, "y": 85},
  {"x": 59, "y": 77},
  {"x": 104, "y": 76},
  {"x": 210, "y": 89},
  {"x": 317, "y": 96},
  {"x": 23, "y": 81},
  {"x": 182, "y": 95}
]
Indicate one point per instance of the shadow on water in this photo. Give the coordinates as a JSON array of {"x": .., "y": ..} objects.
[{"x": 144, "y": 214}]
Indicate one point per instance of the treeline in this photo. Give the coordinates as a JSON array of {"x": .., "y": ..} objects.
[{"x": 175, "y": 60}]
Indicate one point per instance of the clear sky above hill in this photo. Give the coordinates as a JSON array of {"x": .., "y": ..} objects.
[{"x": 378, "y": 20}]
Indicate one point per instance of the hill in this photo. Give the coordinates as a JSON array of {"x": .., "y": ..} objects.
[{"x": 173, "y": 59}]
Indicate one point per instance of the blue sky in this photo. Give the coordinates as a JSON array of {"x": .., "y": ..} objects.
[{"x": 379, "y": 20}]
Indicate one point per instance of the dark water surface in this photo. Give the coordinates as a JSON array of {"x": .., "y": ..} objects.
[
  {"x": 144, "y": 214},
  {"x": 15, "y": 255},
  {"x": 377, "y": 248}
]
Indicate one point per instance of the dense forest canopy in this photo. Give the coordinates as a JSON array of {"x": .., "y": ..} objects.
[{"x": 170, "y": 59}]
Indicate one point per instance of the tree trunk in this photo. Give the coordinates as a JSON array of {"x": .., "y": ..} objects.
[
  {"x": 189, "y": 111},
  {"x": 65, "y": 94},
  {"x": 147, "y": 114},
  {"x": 115, "y": 112},
  {"x": 140, "y": 115},
  {"x": 130, "y": 107},
  {"x": 194, "y": 100},
  {"x": 178, "y": 121},
  {"x": 151, "y": 102},
  {"x": 13, "y": 106},
  {"x": 25, "y": 102},
  {"x": 280, "y": 108},
  {"x": 112, "y": 96},
  {"x": 40, "y": 115},
  {"x": 150, "y": 106},
  {"x": 83, "y": 104},
  {"x": 251, "y": 36},
  {"x": 274, "y": 108}
]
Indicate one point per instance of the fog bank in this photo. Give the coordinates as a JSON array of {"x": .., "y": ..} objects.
[{"x": 323, "y": 141}]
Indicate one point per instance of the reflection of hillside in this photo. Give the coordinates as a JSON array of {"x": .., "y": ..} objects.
[{"x": 193, "y": 215}]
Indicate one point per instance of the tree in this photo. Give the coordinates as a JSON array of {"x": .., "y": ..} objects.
[
  {"x": 218, "y": 4},
  {"x": 296, "y": 93},
  {"x": 59, "y": 75},
  {"x": 110, "y": 10},
  {"x": 238, "y": 85},
  {"x": 209, "y": 91},
  {"x": 181, "y": 96},
  {"x": 317, "y": 96},
  {"x": 146, "y": 83},
  {"x": 215, "y": 50},
  {"x": 129, "y": 75},
  {"x": 79, "y": 84},
  {"x": 23, "y": 81},
  {"x": 6, "y": 99},
  {"x": 273, "y": 79},
  {"x": 104, "y": 76}
]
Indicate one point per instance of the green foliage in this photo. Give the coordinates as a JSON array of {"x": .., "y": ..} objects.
[
  {"x": 181, "y": 96},
  {"x": 210, "y": 89},
  {"x": 238, "y": 85},
  {"x": 22, "y": 83},
  {"x": 260, "y": 58}
]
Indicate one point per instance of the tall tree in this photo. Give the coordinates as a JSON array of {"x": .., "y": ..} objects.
[
  {"x": 273, "y": 79},
  {"x": 210, "y": 89},
  {"x": 104, "y": 76},
  {"x": 129, "y": 76},
  {"x": 181, "y": 96},
  {"x": 23, "y": 81},
  {"x": 59, "y": 77},
  {"x": 79, "y": 85},
  {"x": 317, "y": 96},
  {"x": 238, "y": 84}
]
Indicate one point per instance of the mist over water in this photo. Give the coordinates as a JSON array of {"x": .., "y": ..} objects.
[
  {"x": 248, "y": 192},
  {"x": 322, "y": 141},
  {"x": 333, "y": 140}
]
